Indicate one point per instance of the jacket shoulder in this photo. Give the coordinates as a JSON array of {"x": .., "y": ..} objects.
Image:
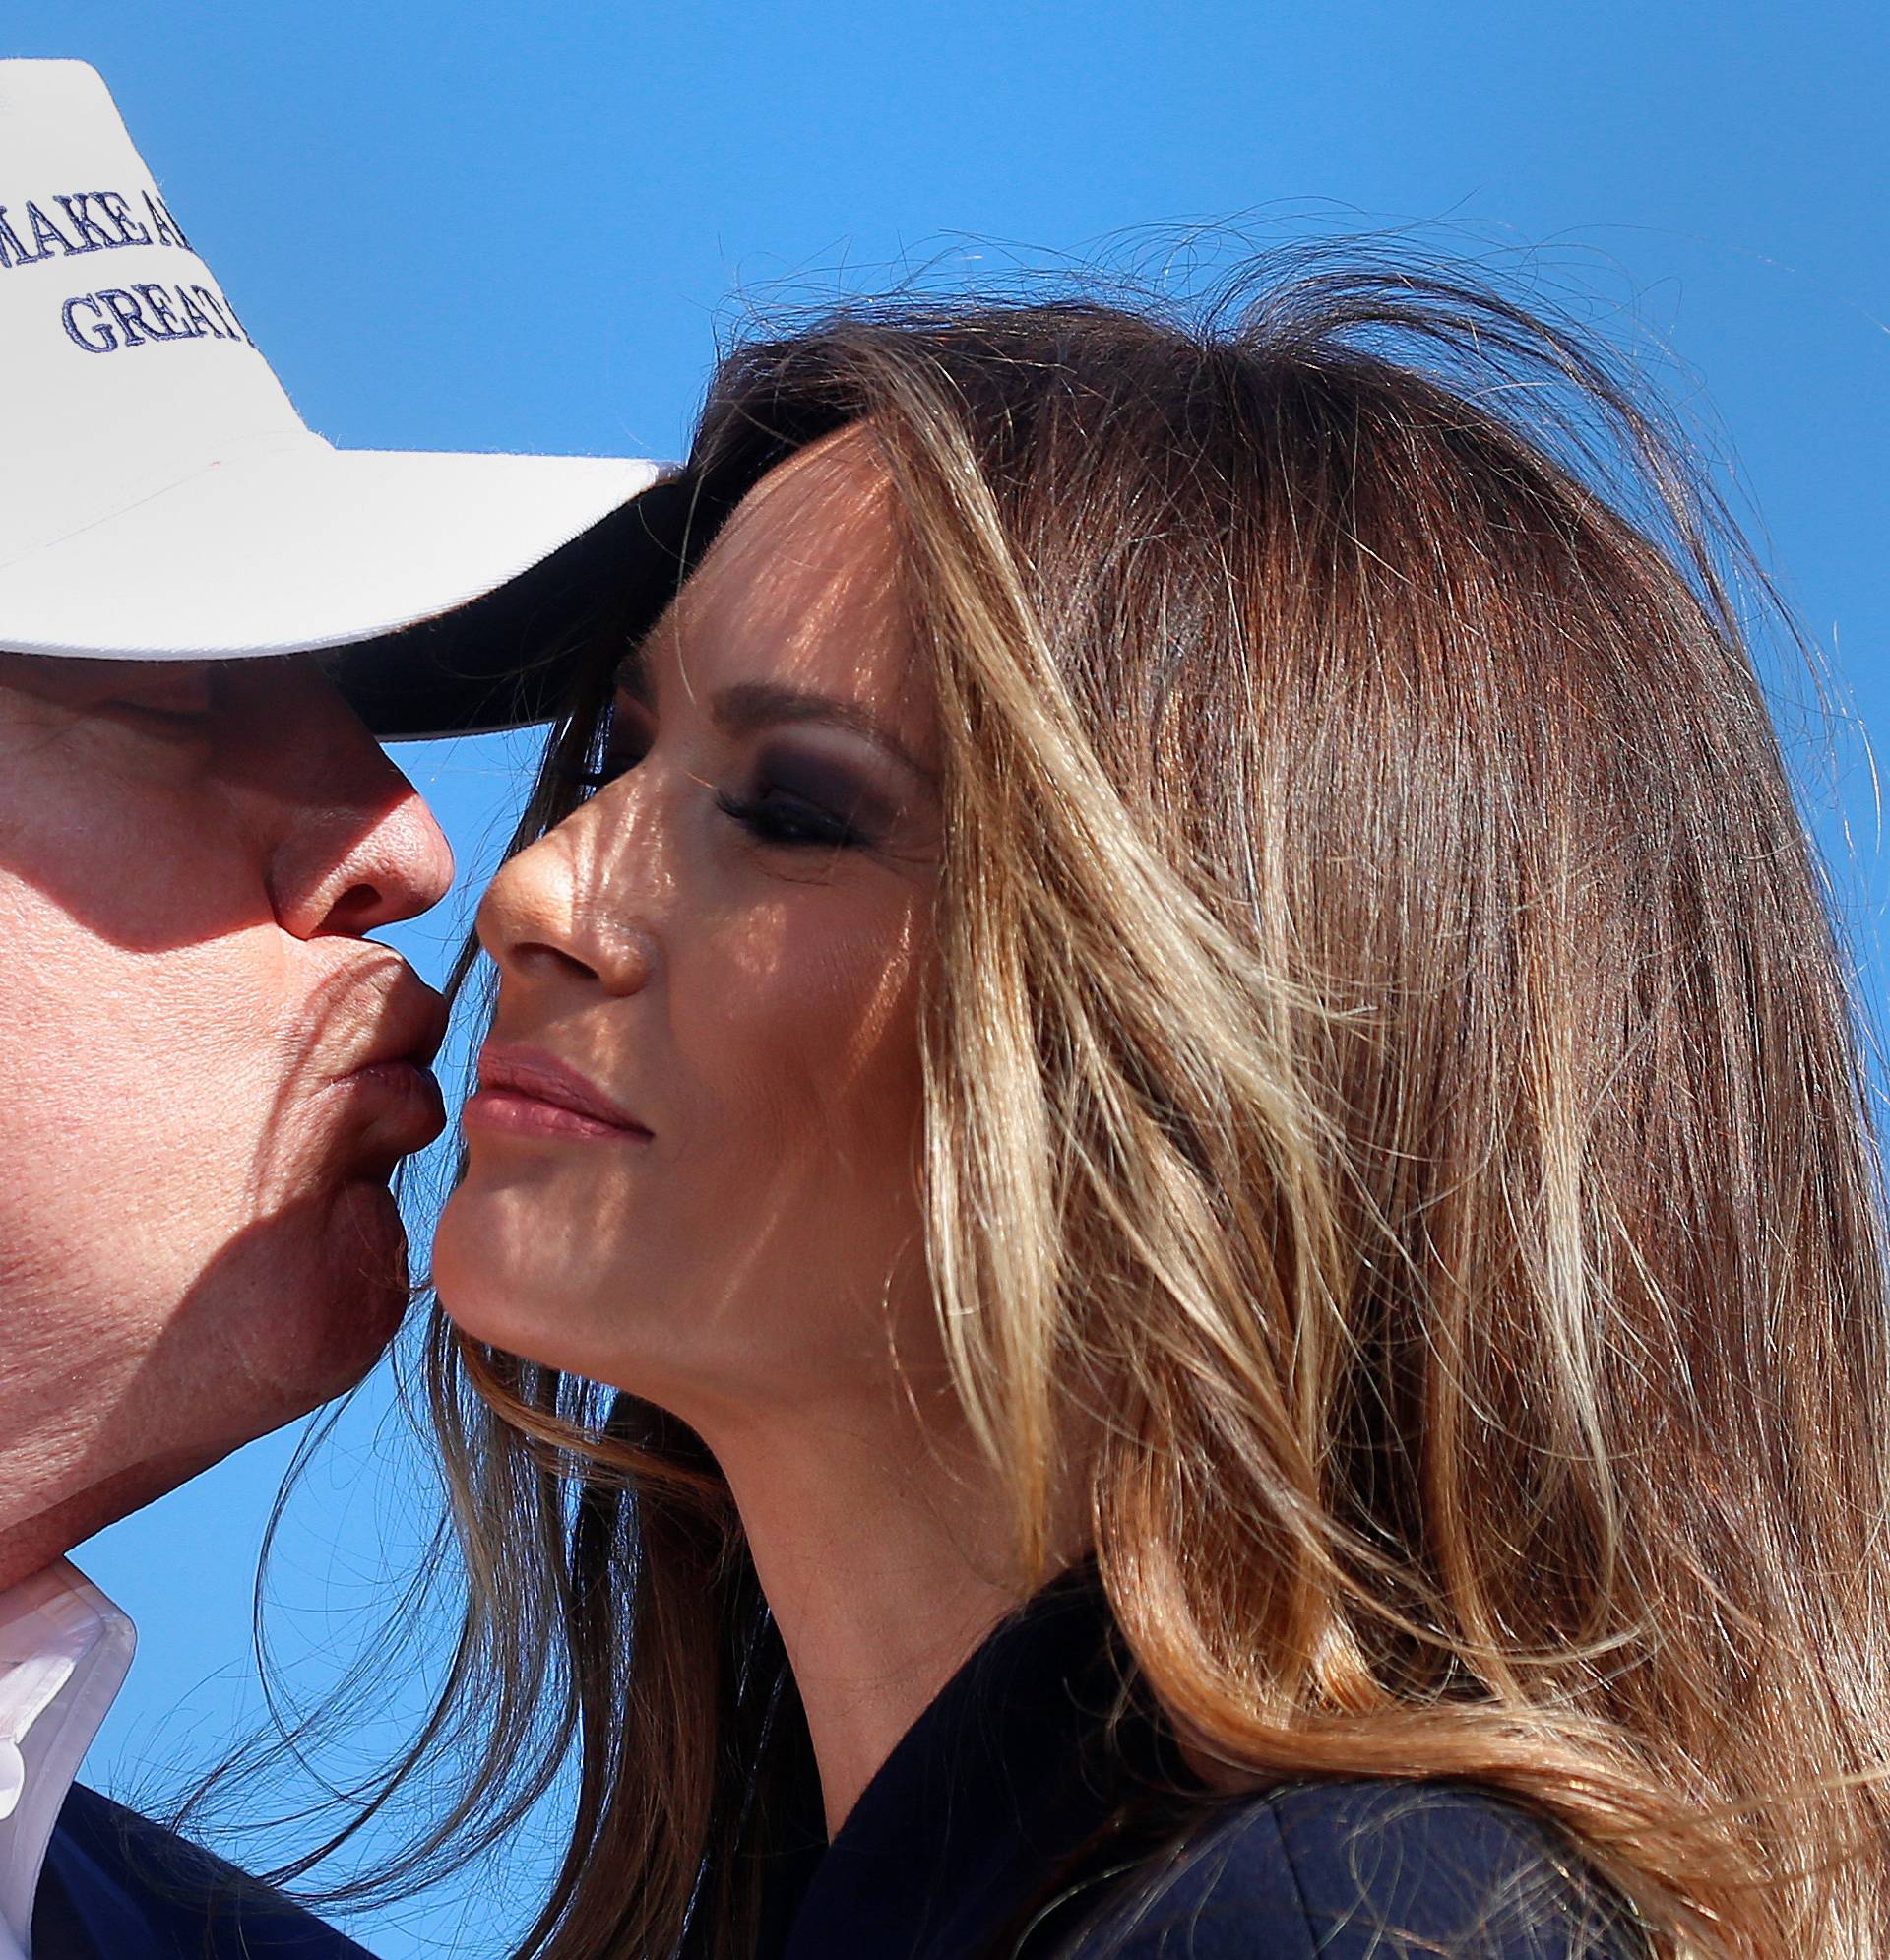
[
  {"x": 1367, "y": 1871},
  {"x": 115, "y": 1884}
]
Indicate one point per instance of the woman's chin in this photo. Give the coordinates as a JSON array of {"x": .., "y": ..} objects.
[
  {"x": 473, "y": 1274},
  {"x": 500, "y": 1276}
]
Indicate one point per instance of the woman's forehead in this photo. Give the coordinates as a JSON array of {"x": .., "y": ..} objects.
[
  {"x": 829, "y": 507},
  {"x": 803, "y": 584}
]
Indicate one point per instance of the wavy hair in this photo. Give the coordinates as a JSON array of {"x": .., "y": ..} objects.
[{"x": 1391, "y": 1076}]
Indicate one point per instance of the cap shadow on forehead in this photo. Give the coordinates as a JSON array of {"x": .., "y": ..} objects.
[
  {"x": 802, "y": 586},
  {"x": 80, "y": 679}
]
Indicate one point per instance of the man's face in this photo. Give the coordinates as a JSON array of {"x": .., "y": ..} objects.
[{"x": 206, "y": 1070}]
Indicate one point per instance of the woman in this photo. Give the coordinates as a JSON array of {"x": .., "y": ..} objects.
[{"x": 1171, "y": 1219}]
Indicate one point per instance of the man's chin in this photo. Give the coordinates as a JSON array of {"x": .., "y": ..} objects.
[
  {"x": 368, "y": 1283},
  {"x": 333, "y": 1301},
  {"x": 290, "y": 1312}
]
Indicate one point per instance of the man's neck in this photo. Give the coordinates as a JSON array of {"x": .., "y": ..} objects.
[{"x": 33, "y": 1537}]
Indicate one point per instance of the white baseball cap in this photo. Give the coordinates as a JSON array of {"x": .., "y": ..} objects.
[{"x": 161, "y": 498}]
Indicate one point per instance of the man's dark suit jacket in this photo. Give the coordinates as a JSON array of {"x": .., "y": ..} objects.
[{"x": 117, "y": 1888}]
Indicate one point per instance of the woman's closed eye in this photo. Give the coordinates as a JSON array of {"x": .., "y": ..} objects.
[
  {"x": 788, "y": 800},
  {"x": 799, "y": 800}
]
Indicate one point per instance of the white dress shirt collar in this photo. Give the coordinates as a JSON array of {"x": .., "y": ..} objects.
[{"x": 64, "y": 1648}]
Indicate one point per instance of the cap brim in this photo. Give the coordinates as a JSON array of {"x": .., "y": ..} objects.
[
  {"x": 554, "y": 634},
  {"x": 303, "y": 547}
]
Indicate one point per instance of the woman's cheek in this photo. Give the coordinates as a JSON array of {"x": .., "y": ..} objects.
[{"x": 817, "y": 982}]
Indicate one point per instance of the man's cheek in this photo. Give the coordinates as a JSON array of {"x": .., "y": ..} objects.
[{"x": 140, "y": 875}]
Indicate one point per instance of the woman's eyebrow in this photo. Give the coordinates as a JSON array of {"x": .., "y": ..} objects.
[{"x": 752, "y": 704}]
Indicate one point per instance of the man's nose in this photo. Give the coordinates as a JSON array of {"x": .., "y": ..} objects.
[
  {"x": 396, "y": 866},
  {"x": 354, "y": 847}
]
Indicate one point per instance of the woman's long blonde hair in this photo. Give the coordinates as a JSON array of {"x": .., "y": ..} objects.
[{"x": 1389, "y": 1069}]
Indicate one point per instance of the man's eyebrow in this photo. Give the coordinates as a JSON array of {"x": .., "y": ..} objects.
[{"x": 753, "y": 705}]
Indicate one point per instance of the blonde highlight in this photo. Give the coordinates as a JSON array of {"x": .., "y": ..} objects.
[{"x": 1392, "y": 1092}]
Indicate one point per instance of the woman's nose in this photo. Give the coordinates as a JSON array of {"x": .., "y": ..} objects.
[{"x": 564, "y": 910}]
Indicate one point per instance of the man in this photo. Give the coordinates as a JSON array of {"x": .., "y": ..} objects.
[{"x": 207, "y": 1069}]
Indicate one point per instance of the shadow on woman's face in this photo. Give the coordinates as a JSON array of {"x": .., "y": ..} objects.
[{"x": 693, "y": 1161}]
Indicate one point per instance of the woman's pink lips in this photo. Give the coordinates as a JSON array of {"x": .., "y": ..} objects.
[{"x": 531, "y": 1095}]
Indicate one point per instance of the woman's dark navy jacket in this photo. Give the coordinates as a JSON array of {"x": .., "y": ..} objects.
[{"x": 1011, "y": 1820}]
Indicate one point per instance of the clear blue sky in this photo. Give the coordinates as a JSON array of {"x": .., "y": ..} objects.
[{"x": 518, "y": 227}]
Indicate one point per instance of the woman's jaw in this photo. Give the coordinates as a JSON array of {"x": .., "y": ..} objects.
[{"x": 693, "y": 1156}]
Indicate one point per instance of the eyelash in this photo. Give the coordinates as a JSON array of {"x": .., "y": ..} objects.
[
  {"x": 790, "y": 824},
  {"x": 793, "y": 824}
]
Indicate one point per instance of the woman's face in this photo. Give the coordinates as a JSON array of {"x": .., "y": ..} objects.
[{"x": 693, "y": 1156}]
